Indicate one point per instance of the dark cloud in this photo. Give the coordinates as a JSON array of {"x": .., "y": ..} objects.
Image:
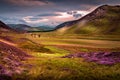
[
  {"x": 29, "y": 2},
  {"x": 77, "y": 15},
  {"x": 74, "y": 14},
  {"x": 35, "y": 18}
]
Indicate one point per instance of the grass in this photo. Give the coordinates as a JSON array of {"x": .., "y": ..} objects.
[
  {"x": 49, "y": 64},
  {"x": 73, "y": 41},
  {"x": 69, "y": 69}
]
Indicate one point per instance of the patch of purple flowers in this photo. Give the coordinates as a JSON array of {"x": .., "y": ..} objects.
[{"x": 107, "y": 58}]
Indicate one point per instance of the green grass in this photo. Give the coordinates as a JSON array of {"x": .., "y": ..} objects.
[
  {"x": 49, "y": 64},
  {"x": 55, "y": 52},
  {"x": 69, "y": 69},
  {"x": 73, "y": 41}
]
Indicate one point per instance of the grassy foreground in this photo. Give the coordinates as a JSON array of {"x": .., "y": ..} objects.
[
  {"x": 45, "y": 66},
  {"x": 51, "y": 65},
  {"x": 47, "y": 63}
]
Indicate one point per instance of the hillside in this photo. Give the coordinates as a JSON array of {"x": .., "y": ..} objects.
[
  {"x": 14, "y": 49},
  {"x": 46, "y": 28},
  {"x": 11, "y": 56},
  {"x": 103, "y": 20},
  {"x": 10, "y": 59},
  {"x": 4, "y": 27}
]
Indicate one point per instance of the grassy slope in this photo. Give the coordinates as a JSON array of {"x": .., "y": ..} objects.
[
  {"x": 53, "y": 67},
  {"x": 70, "y": 69},
  {"x": 14, "y": 49},
  {"x": 106, "y": 23}
]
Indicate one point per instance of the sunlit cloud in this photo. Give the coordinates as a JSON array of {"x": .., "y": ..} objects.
[
  {"x": 29, "y": 19},
  {"x": 64, "y": 15}
]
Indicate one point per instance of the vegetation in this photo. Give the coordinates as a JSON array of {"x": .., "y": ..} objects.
[
  {"x": 103, "y": 20},
  {"x": 41, "y": 56}
]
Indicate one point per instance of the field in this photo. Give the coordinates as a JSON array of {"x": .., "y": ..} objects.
[
  {"x": 51, "y": 65},
  {"x": 79, "y": 42},
  {"x": 47, "y": 61}
]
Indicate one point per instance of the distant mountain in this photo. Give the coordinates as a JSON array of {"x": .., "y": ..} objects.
[
  {"x": 4, "y": 27},
  {"x": 46, "y": 27},
  {"x": 26, "y": 28},
  {"x": 103, "y": 20}
]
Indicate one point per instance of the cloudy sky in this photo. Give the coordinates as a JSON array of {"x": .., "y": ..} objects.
[{"x": 47, "y": 12}]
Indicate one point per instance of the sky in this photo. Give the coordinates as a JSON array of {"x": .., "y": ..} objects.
[{"x": 47, "y": 12}]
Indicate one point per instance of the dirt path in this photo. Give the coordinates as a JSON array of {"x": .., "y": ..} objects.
[{"x": 7, "y": 42}]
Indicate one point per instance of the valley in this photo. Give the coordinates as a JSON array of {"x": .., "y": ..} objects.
[{"x": 70, "y": 51}]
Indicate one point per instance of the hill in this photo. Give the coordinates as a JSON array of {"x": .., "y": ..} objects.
[
  {"x": 46, "y": 28},
  {"x": 4, "y": 27},
  {"x": 103, "y": 20},
  {"x": 14, "y": 49}
]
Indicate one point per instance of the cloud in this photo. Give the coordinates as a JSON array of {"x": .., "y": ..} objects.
[
  {"x": 30, "y": 2},
  {"x": 34, "y": 20},
  {"x": 11, "y": 20},
  {"x": 49, "y": 14}
]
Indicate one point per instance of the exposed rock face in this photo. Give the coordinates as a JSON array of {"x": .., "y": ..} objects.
[{"x": 107, "y": 58}]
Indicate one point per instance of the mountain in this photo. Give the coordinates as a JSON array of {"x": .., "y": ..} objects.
[
  {"x": 4, "y": 27},
  {"x": 46, "y": 27},
  {"x": 103, "y": 20},
  {"x": 23, "y": 27},
  {"x": 26, "y": 28}
]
